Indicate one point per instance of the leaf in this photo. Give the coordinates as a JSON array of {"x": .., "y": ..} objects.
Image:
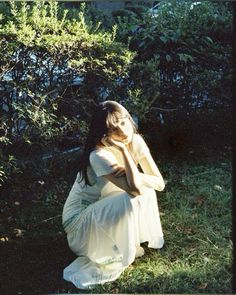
[
  {"x": 185, "y": 57},
  {"x": 41, "y": 182},
  {"x": 168, "y": 58},
  {"x": 217, "y": 187},
  {"x": 18, "y": 232},
  {"x": 141, "y": 44},
  {"x": 164, "y": 39},
  {"x": 209, "y": 39},
  {"x": 115, "y": 291},
  {"x": 189, "y": 230},
  {"x": 206, "y": 259},
  {"x": 203, "y": 286},
  {"x": 192, "y": 249},
  {"x": 200, "y": 200}
]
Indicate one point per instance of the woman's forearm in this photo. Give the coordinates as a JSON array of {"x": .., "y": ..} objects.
[
  {"x": 134, "y": 178},
  {"x": 152, "y": 181}
]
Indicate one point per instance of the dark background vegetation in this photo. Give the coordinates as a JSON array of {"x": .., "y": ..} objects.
[{"x": 173, "y": 72}]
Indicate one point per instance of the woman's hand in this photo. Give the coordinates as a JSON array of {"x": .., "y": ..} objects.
[{"x": 118, "y": 144}]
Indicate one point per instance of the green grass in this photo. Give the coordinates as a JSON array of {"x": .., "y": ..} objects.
[{"x": 196, "y": 219}]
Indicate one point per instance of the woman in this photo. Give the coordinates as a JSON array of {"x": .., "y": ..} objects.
[{"x": 112, "y": 206}]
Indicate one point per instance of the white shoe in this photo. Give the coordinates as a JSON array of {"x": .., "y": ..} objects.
[{"x": 139, "y": 251}]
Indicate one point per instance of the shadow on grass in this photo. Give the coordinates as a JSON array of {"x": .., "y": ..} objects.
[{"x": 36, "y": 266}]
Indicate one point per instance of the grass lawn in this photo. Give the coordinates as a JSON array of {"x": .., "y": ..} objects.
[{"x": 196, "y": 219}]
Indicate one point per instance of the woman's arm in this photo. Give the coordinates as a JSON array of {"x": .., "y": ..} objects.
[
  {"x": 151, "y": 177},
  {"x": 122, "y": 183},
  {"x": 131, "y": 182},
  {"x": 133, "y": 175}
]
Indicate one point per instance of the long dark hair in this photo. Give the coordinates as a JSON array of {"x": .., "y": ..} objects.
[{"x": 102, "y": 120}]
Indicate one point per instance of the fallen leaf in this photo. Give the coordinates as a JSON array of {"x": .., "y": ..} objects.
[
  {"x": 41, "y": 182},
  {"x": 115, "y": 291},
  {"x": 206, "y": 259},
  {"x": 203, "y": 286},
  {"x": 217, "y": 187},
  {"x": 17, "y": 203},
  {"x": 189, "y": 230},
  {"x": 200, "y": 200}
]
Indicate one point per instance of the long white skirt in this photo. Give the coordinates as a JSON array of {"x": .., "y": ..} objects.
[{"x": 106, "y": 235}]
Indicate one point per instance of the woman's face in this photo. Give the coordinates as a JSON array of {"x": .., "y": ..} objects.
[{"x": 122, "y": 131}]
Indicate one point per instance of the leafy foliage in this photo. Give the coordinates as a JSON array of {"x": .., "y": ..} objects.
[
  {"x": 189, "y": 45},
  {"x": 53, "y": 71},
  {"x": 56, "y": 64}
]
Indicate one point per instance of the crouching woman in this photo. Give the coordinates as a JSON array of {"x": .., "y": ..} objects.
[{"x": 112, "y": 206}]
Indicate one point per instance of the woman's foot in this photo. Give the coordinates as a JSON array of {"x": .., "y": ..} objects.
[{"x": 139, "y": 251}]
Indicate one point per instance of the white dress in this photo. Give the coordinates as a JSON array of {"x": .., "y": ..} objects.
[{"x": 104, "y": 224}]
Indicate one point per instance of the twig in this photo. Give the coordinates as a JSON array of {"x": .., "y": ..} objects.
[
  {"x": 164, "y": 110},
  {"x": 46, "y": 220},
  {"x": 51, "y": 218}
]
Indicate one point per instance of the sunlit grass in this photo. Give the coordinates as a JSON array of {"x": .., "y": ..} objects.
[{"x": 196, "y": 219}]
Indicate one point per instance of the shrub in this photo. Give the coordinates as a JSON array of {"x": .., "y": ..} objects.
[
  {"x": 56, "y": 64},
  {"x": 190, "y": 45},
  {"x": 54, "y": 69}
]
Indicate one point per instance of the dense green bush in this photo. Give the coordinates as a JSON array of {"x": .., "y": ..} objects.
[
  {"x": 189, "y": 44},
  {"x": 53, "y": 70},
  {"x": 56, "y": 64}
]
